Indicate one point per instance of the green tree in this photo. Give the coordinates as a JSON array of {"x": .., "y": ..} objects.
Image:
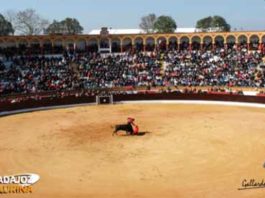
[
  {"x": 165, "y": 24},
  {"x": 54, "y": 28},
  {"x": 67, "y": 26},
  {"x": 147, "y": 23},
  {"x": 215, "y": 23},
  {"x": 220, "y": 23},
  {"x": 5, "y": 27},
  {"x": 204, "y": 24}
]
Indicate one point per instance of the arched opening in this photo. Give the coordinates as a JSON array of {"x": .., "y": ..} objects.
[
  {"x": 242, "y": 41},
  {"x": 150, "y": 44},
  {"x": 80, "y": 45},
  {"x": 104, "y": 43},
  {"x": 139, "y": 44},
  {"x": 263, "y": 39},
  {"x": 219, "y": 42},
  {"x": 23, "y": 47},
  {"x": 184, "y": 43},
  {"x": 92, "y": 45},
  {"x": 254, "y": 42},
  {"x": 2, "y": 46},
  {"x": 162, "y": 43},
  {"x": 207, "y": 43},
  {"x": 58, "y": 47},
  {"x": 35, "y": 47},
  {"x": 263, "y": 45},
  {"x": 10, "y": 44},
  {"x": 196, "y": 43},
  {"x": 8, "y": 48},
  {"x": 173, "y": 43},
  {"x": 47, "y": 47},
  {"x": 69, "y": 46},
  {"x": 126, "y": 44},
  {"x": 230, "y": 41},
  {"x": 116, "y": 45}
]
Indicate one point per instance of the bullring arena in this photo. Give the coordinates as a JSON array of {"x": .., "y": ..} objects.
[
  {"x": 198, "y": 99},
  {"x": 185, "y": 150}
]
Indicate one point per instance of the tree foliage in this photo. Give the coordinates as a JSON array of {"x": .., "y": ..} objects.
[
  {"x": 147, "y": 23},
  {"x": 67, "y": 26},
  {"x": 5, "y": 27},
  {"x": 165, "y": 24},
  {"x": 28, "y": 22},
  {"x": 215, "y": 23},
  {"x": 54, "y": 28}
]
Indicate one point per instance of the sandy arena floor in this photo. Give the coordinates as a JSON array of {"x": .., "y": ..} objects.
[{"x": 192, "y": 151}]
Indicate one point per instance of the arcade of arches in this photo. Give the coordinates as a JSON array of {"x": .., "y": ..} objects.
[{"x": 55, "y": 44}]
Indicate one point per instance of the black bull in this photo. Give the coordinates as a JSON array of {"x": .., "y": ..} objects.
[{"x": 123, "y": 127}]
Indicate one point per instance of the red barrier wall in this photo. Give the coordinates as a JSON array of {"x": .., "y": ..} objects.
[{"x": 70, "y": 100}]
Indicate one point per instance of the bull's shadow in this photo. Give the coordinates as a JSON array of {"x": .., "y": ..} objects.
[
  {"x": 138, "y": 134},
  {"x": 142, "y": 133}
]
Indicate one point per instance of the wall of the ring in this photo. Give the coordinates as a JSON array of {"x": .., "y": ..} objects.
[
  {"x": 207, "y": 97},
  {"x": 69, "y": 100},
  {"x": 45, "y": 102}
]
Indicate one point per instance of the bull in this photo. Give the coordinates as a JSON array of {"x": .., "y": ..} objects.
[{"x": 124, "y": 127}]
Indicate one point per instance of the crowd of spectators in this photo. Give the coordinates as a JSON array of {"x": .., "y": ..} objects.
[{"x": 233, "y": 67}]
